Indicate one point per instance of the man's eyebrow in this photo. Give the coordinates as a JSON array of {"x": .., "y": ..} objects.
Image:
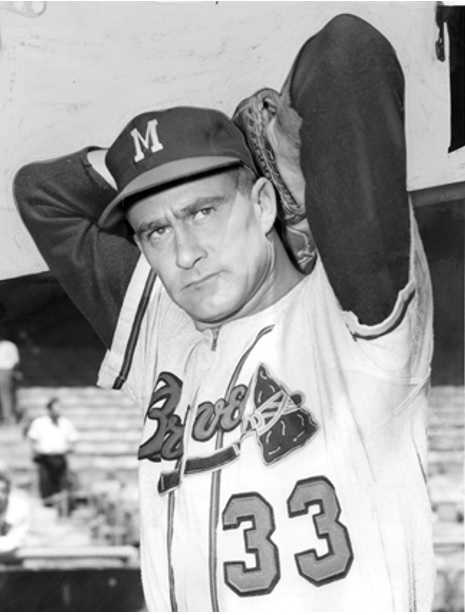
[
  {"x": 145, "y": 227},
  {"x": 202, "y": 201},
  {"x": 185, "y": 211}
]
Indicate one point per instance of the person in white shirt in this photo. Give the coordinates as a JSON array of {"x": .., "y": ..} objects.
[
  {"x": 14, "y": 517},
  {"x": 9, "y": 361},
  {"x": 52, "y": 437}
]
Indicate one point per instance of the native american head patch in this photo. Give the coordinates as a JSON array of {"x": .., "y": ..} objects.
[{"x": 280, "y": 421}]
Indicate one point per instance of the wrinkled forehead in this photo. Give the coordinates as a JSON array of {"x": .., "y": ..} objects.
[{"x": 174, "y": 198}]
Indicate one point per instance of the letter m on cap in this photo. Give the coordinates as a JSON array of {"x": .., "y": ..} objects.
[{"x": 148, "y": 143}]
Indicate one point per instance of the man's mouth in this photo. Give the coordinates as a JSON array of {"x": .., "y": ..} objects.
[{"x": 201, "y": 281}]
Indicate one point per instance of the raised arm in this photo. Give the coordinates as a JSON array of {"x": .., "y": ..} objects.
[
  {"x": 347, "y": 87},
  {"x": 333, "y": 144},
  {"x": 60, "y": 202}
]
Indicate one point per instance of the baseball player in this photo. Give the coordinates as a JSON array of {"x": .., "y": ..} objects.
[{"x": 282, "y": 460}]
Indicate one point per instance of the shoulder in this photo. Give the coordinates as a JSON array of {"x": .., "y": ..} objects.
[
  {"x": 37, "y": 423},
  {"x": 149, "y": 324}
]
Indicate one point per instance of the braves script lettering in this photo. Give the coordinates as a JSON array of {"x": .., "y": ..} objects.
[
  {"x": 279, "y": 420},
  {"x": 167, "y": 441},
  {"x": 225, "y": 414}
]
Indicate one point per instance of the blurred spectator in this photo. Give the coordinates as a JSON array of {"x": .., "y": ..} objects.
[
  {"x": 14, "y": 517},
  {"x": 9, "y": 361},
  {"x": 52, "y": 437}
]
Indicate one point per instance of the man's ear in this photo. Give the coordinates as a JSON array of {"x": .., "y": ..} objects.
[
  {"x": 264, "y": 199},
  {"x": 137, "y": 241}
]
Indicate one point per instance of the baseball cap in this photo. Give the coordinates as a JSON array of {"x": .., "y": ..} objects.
[{"x": 157, "y": 148}]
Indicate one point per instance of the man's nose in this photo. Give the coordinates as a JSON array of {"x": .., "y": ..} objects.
[{"x": 188, "y": 249}]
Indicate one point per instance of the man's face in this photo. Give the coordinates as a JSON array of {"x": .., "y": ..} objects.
[
  {"x": 54, "y": 412},
  {"x": 4, "y": 491},
  {"x": 207, "y": 242}
]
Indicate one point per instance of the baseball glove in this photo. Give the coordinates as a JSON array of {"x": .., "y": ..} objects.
[{"x": 251, "y": 116}]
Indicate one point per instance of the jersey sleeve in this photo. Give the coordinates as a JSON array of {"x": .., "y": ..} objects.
[
  {"x": 121, "y": 367},
  {"x": 60, "y": 202},
  {"x": 347, "y": 87},
  {"x": 403, "y": 342}
]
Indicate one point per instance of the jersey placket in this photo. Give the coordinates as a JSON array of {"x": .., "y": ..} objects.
[{"x": 205, "y": 356}]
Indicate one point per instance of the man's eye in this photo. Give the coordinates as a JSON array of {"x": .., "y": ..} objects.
[
  {"x": 160, "y": 231},
  {"x": 156, "y": 233},
  {"x": 203, "y": 213}
]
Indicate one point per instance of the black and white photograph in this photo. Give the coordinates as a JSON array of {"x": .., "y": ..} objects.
[{"x": 232, "y": 306}]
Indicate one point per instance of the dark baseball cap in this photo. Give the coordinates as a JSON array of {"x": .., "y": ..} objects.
[{"x": 161, "y": 147}]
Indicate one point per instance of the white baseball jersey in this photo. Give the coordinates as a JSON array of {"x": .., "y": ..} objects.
[{"x": 282, "y": 462}]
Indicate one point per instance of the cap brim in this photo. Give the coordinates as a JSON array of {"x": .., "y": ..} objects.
[{"x": 164, "y": 174}]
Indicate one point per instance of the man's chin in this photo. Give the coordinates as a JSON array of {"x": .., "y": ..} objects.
[{"x": 209, "y": 319}]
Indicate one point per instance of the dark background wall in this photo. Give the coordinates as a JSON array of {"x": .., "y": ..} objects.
[
  {"x": 442, "y": 231},
  {"x": 81, "y": 590}
]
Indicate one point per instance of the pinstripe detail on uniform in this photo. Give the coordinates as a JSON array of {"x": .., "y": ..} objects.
[
  {"x": 214, "y": 516},
  {"x": 135, "y": 330},
  {"x": 216, "y": 483},
  {"x": 170, "y": 513}
]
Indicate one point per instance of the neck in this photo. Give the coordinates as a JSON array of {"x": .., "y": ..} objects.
[{"x": 281, "y": 278}]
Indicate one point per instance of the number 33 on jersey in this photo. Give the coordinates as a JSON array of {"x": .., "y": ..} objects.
[{"x": 258, "y": 538}]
